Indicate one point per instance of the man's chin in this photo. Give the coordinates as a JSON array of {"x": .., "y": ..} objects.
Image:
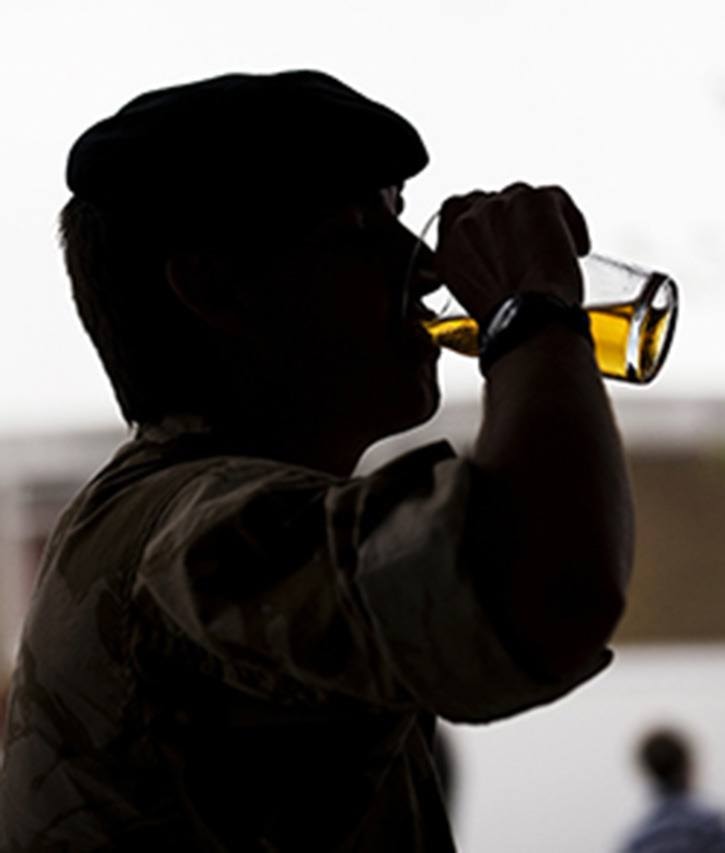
[
  {"x": 422, "y": 405},
  {"x": 430, "y": 404}
]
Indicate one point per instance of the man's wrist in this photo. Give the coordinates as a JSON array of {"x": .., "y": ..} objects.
[{"x": 522, "y": 316}]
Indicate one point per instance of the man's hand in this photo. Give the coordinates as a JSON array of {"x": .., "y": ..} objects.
[{"x": 492, "y": 245}]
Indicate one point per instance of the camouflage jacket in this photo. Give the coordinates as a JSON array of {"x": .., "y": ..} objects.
[{"x": 228, "y": 653}]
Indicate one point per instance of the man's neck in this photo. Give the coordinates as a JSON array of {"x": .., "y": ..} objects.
[{"x": 294, "y": 439}]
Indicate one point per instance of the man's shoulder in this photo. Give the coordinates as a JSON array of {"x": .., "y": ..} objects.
[{"x": 142, "y": 468}]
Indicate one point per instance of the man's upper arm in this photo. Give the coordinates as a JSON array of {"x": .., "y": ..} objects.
[{"x": 424, "y": 578}]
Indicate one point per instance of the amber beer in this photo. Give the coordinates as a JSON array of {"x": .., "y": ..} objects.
[{"x": 631, "y": 339}]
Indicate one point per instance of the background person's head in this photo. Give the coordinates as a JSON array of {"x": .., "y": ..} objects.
[
  {"x": 665, "y": 756},
  {"x": 216, "y": 231}
]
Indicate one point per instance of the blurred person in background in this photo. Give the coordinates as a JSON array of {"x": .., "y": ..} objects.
[
  {"x": 234, "y": 643},
  {"x": 678, "y": 821}
]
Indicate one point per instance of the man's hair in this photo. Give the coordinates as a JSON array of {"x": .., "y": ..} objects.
[
  {"x": 155, "y": 353},
  {"x": 665, "y": 756}
]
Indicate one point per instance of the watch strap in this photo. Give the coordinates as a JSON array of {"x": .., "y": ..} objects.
[{"x": 522, "y": 316}]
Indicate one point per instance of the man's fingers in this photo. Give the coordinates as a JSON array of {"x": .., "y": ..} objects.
[
  {"x": 573, "y": 218},
  {"x": 516, "y": 188},
  {"x": 522, "y": 237},
  {"x": 457, "y": 205}
]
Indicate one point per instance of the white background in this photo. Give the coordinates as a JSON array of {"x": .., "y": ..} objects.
[
  {"x": 564, "y": 779},
  {"x": 621, "y": 102}
]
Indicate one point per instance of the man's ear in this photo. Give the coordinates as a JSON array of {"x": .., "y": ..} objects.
[{"x": 201, "y": 282}]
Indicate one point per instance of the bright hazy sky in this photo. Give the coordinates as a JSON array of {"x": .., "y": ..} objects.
[{"x": 621, "y": 102}]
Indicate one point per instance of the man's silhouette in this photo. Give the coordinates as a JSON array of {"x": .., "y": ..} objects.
[{"x": 234, "y": 644}]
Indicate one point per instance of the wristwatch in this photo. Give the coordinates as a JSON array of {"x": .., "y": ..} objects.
[{"x": 520, "y": 317}]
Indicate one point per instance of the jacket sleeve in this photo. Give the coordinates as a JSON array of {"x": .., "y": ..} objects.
[{"x": 301, "y": 588}]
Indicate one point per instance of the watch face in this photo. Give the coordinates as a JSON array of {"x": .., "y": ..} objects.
[{"x": 505, "y": 314}]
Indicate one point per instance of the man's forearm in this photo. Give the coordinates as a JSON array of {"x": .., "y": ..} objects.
[{"x": 550, "y": 438}]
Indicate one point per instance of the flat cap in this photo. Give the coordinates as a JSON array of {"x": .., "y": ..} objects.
[{"x": 247, "y": 143}]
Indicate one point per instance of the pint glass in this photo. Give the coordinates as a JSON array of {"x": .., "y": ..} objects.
[{"x": 632, "y": 311}]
